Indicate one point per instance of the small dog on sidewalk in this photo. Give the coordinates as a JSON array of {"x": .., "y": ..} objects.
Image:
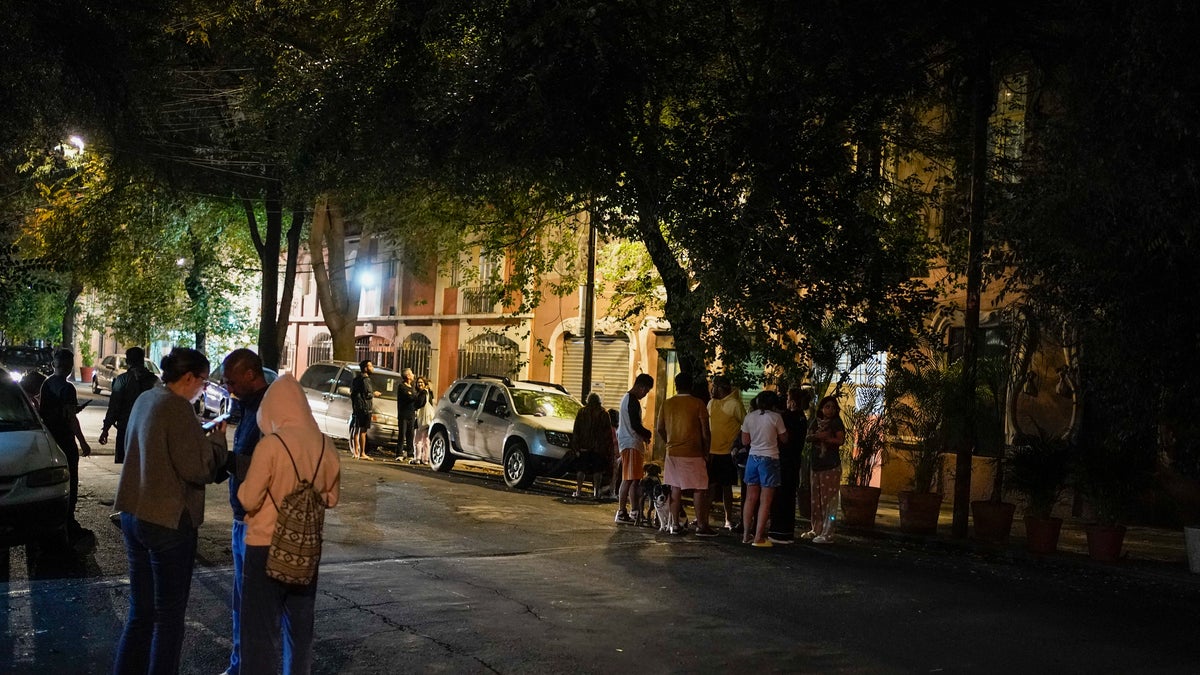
[{"x": 652, "y": 506}]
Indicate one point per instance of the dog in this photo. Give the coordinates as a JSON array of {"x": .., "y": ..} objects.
[{"x": 650, "y": 493}]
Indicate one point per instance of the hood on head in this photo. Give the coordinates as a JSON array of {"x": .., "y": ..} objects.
[{"x": 285, "y": 407}]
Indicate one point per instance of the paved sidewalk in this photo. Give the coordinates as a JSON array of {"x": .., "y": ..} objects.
[{"x": 1151, "y": 551}]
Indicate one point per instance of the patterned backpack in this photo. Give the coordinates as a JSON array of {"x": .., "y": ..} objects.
[{"x": 295, "y": 548}]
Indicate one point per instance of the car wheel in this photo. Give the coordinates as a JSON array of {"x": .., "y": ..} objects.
[
  {"x": 517, "y": 471},
  {"x": 440, "y": 457},
  {"x": 95, "y": 385}
]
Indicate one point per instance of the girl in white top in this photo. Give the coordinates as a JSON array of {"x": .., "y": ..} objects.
[{"x": 762, "y": 430}]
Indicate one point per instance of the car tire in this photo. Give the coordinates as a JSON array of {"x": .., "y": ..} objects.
[
  {"x": 95, "y": 385},
  {"x": 518, "y": 473},
  {"x": 440, "y": 457}
]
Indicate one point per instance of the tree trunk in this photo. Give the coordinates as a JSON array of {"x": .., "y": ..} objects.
[
  {"x": 74, "y": 290},
  {"x": 289, "y": 280},
  {"x": 268, "y": 245},
  {"x": 338, "y": 287},
  {"x": 197, "y": 292}
]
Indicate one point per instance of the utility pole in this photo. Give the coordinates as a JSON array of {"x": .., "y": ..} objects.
[{"x": 589, "y": 309}]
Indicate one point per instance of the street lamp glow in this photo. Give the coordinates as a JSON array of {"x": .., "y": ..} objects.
[
  {"x": 77, "y": 142},
  {"x": 366, "y": 278}
]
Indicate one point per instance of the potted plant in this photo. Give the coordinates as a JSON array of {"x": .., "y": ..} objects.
[
  {"x": 919, "y": 399},
  {"x": 1038, "y": 467},
  {"x": 1109, "y": 478},
  {"x": 87, "y": 360},
  {"x": 992, "y": 518},
  {"x": 868, "y": 427}
]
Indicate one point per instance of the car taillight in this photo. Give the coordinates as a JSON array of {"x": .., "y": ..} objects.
[{"x": 46, "y": 477}]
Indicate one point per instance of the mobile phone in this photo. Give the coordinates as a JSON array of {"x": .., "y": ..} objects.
[{"x": 212, "y": 424}]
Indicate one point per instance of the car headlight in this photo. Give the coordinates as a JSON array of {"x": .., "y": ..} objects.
[
  {"x": 47, "y": 477},
  {"x": 382, "y": 418},
  {"x": 559, "y": 438}
]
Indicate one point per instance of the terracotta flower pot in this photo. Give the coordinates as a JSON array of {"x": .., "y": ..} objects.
[
  {"x": 919, "y": 512},
  {"x": 859, "y": 505},
  {"x": 1041, "y": 534},
  {"x": 992, "y": 520},
  {"x": 1104, "y": 542},
  {"x": 85, "y": 374}
]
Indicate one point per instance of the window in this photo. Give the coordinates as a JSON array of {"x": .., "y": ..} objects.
[
  {"x": 319, "y": 377},
  {"x": 456, "y": 392},
  {"x": 473, "y": 397},
  {"x": 496, "y": 400}
]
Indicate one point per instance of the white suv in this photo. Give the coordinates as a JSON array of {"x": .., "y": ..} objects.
[{"x": 523, "y": 426}]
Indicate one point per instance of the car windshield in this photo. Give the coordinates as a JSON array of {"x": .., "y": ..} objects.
[
  {"x": 15, "y": 412},
  {"x": 544, "y": 404}
]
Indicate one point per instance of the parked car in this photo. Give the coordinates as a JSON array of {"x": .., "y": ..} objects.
[
  {"x": 34, "y": 478},
  {"x": 523, "y": 426},
  {"x": 327, "y": 386},
  {"x": 216, "y": 399},
  {"x": 110, "y": 367},
  {"x": 19, "y": 361}
]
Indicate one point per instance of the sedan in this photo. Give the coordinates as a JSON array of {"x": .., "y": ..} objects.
[
  {"x": 34, "y": 477},
  {"x": 110, "y": 367}
]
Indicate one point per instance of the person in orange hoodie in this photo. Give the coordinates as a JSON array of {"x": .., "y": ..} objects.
[{"x": 272, "y": 610}]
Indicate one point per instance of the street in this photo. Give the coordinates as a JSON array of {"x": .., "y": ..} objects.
[{"x": 456, "y": 573}]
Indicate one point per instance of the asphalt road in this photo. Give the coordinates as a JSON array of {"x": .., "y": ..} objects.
[{"x": 456, "y": 573}]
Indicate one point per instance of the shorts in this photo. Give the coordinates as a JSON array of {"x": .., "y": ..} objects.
[
  {"x": 686, "y": 473},
  {"x": 360, "y": 421},
  {"x": 722, "y": 471},
  {"x": 632, "y": 461},
  {"x": 763, "y": 471}
]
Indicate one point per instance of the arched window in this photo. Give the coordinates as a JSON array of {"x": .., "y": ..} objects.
[
  {"x": 320, "y": 348},
  {"x": 416, "y": 352},
  {"x": 489, "y": 354},
  {"x": 374, "y": 349}
]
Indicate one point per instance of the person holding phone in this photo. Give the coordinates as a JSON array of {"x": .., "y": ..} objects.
[
  {"x": 168, "y": 461},
  {"x": 58, "y": 406}
]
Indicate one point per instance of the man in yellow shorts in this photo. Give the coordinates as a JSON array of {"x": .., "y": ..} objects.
[{"x": 632, "y": 439}]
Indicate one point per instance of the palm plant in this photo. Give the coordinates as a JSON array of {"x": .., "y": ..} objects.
[{"x": 1039, "y": 467}]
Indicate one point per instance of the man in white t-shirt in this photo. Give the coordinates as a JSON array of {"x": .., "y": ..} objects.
[{"x": 632, "y": 439}]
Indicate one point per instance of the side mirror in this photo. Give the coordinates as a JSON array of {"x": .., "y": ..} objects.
[{"x": 343, "y": 391}]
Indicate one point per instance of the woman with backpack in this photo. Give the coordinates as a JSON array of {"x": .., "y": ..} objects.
[{"x": 294, "y": 476}]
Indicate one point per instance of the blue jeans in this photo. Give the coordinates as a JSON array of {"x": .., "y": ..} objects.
[
  {"x": 160, "y": 579},
  {"x": 269, "y": 609},
  {"x": 237, "y": 544}
]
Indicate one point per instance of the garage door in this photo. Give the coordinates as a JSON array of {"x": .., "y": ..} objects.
[{"x": 610, "y": 367}]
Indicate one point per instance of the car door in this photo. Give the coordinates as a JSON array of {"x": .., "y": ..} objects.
[
  {"x": 338, "y": 409},
  {"x": 104, "y": 376},
  {"x": 492, "y": 425},
  {"x": 466, "y": 416},
  {"x": 318, "y": 382}
]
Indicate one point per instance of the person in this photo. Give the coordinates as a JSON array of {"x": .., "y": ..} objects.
[
  {"x": 783, "y": 507},
  {"x": 31, "y": 384},
  {"x": 168, "y": 460},
  {"x": 592, "y": 441},
  {"x": 725, "y": 415},
  {"x": 243, "y": 377},
  {"x": 362, "y": 390},
  {"x": 424, "y": 419},
  {"x": 408, "y": 401},
  {"x": 683, "y": 425},
  {"x": 827, "y": 435},
  {"x": 763, "y": 430},
  {"x": 292, "y": 448},
  {"x": 58, "y": 406},
  {"x": 126, "y": 388},
  {"x": 632, "y": 439}
]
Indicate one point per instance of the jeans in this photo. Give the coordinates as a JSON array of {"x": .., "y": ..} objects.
[
  {"x": 160, "y": 579},
  {"x": 270, "y": 608},
  {"x": 237, "y": 544},
  {"x": 407, "y": 434}
]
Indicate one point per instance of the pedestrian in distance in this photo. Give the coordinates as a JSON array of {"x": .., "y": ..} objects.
[
  {"x": 58, "y": 406},
  {"x": 827, "y": 435},
  {"x": 126, "y": 388},
  {"x": 424, "y": 419},
  {"x": 762, "y": 430},
  {"x": 632, "y": 438},
  {"x": 408, "y": 401},
  {"x": 592, "y": 443},
  {"x": 783, "y": 506},
  {"x": 683, "y": 426},
  {"x": 169, "y": 458},
  {"x": 362, "y": 391},
  {"x": 277, "y": 617},
  {"x": 243, "y": 377}
]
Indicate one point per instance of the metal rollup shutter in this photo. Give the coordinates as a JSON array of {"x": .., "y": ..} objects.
[{"x": 610, "y": 367}]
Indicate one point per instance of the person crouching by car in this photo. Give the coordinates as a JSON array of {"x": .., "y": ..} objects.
[
  {"x": 169, "y": 458},
  {"x": 275, "y": 613}
]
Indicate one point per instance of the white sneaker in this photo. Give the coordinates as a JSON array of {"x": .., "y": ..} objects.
[
  {"x": 808, "y": 535},
  {"x": 822, "y": 539}
]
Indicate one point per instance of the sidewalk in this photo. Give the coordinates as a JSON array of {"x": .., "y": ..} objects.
[{"x": 1147, "y": 551}]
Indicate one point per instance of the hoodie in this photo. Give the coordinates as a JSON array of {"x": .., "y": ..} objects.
[{"x": 285, "y": 418}]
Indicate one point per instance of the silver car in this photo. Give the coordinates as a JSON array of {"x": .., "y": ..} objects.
[
  {"x": 34, "y": 478},
  {"x": 327, "y": 387},
  {"x": 523, "y": 426},
  {"x": 110, "y": 367}
]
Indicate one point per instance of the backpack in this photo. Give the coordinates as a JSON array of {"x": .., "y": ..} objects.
[{"x": 295, "y": 549}]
